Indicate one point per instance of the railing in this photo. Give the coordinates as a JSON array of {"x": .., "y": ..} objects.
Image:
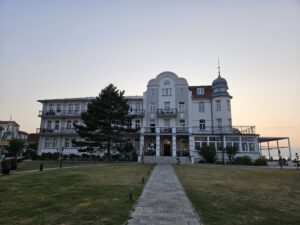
[
  {"x": 165, "y": 129},
  {"x": 53, "y": 113},
  {"x": 55, "y": 131},
  {"x": 167, "y": 112},
  {"x": 182, "y": 129},
  {"x": 224, "y": 129},
  {"x": 136, "y": 112}
]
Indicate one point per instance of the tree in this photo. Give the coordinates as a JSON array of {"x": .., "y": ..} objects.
[
  {"x": 231, "y": 152},
  {"x": 208, "y": 153},
  {"x": 125, "y": 149},
  {"x": 105, "y": 122},
  {"x": 15, "y": 146}
]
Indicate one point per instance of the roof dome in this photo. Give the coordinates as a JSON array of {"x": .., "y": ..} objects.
[{"x": 220, "y": 82}]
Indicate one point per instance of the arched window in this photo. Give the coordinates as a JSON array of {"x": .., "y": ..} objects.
[{"x": 202, "y": 124}]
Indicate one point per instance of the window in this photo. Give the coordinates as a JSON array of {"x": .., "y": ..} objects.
[
  {"x": 201, "y": 107},
  {"x": 181, "y": 107},
  {"x": 47, "y": 143},
  {"x": 56, "y": 126},
  {"x": 167, "y": 105},
  {"x": 202, "y": 124},
  {"x": 167, "y": 122},
  {"x": 228, "y": 105},
  {"x": 219, "y": 124},
  {"x": 167, "y": 91},
  {"x": 218, "y": 105},
  {"x": 70, "y": 108},
  {"x": 181, "y": 90},
  {"x": 152, "y": 92},
  {"x": 49, "y": 125},
  {"x": 75, "y": 122},
  {"x": 152, "y": 107},
  {"x": 200, "y": 91},
  {"x": 51, "y": 108},
  {"x": 67, "y": 142},
  {"x": 182, "y": 123},
  {"x": 69, "y": 124},
  {"x": 166, "y": 82},
  {"x": 77, "y": 108},
  {"x": 54, "y": 143},
  {"x": 58, "y": 108},
  {"x": 137, "y": 124}
]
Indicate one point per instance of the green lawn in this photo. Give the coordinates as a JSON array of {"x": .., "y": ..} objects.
[
  {"x": 243, "y": 196},
  {"x": 35, "y": 165},
  {"x": 87, "y": 195}
]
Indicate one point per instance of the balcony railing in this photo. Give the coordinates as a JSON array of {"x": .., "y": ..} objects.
[
  {"x": 60, "y": 113},
  {"x": 136, "y": 112},
  {"x": 224, "y": 130},
  {"x": 55, "y": 131},
  {"x": 166, "y": 112}
]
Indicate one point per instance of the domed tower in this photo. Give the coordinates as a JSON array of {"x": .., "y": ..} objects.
[{"x": 221, "y": 102}]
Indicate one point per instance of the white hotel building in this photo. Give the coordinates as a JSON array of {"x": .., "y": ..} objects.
[{"x": 175, "y": 120}]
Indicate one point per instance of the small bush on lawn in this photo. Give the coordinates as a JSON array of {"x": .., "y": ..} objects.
[
  {"x": 208, "y": 153},
  {"x": 261, "y": 161},
  {"x": 5, "y": 164},
  {"x": 243, "y": 160},
  {"x": 13, "y": 164}
]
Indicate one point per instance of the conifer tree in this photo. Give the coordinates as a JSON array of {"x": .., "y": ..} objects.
[{"x": 105, "y": 122}]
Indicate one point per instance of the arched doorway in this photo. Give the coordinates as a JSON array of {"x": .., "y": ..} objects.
[{"x": 167, "y": 147}]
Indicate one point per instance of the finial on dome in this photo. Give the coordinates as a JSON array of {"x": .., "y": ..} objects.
[{"x": 219, "y": 72}]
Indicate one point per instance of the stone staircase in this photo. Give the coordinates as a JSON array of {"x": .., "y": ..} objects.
[{"x": 166, "y": 160}]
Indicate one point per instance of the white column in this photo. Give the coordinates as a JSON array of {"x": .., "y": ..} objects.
[
  {"x": 192, "y": 148},
  {"x": 174, "y": 145},
  {"x": 157, "y": 145},
  {"x": 240, "y": 144}
]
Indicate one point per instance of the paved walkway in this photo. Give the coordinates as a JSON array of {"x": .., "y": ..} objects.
[{"x": 163, "y": 201}]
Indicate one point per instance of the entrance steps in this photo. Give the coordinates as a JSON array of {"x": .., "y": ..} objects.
[{"x": 166, "y": 160}]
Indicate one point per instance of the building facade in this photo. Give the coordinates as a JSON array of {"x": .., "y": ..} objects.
[{"x": 175, "y": 120}]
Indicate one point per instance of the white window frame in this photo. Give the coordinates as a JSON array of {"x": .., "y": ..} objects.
[
  {"x": 201, "y": 106},
  {"x": 200, "y": 91}
]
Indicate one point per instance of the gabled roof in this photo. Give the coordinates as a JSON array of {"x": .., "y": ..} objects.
[{"x": 207, "y": 91}]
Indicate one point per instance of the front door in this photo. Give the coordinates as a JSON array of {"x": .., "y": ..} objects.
[{"x": 167, "y": 147}]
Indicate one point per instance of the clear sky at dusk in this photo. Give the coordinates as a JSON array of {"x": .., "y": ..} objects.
[{"x": 71, "y": 48}]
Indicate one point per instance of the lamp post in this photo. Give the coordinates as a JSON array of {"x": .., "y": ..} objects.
[{"x": 61, "y": 157}]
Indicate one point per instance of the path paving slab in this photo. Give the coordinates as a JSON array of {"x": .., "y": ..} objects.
[{"x": 163, "y": 201}]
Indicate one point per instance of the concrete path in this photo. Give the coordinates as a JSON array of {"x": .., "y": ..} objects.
[{"x": 163, "y": 201}]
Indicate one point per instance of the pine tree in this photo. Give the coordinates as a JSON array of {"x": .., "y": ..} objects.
[{"x": 105, "y": 122}]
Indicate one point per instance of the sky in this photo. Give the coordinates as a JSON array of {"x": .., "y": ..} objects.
[{"x": 74, "y": 48}]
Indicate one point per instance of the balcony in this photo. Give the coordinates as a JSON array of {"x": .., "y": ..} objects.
[
  {"x": 167, "y": 112},
  {"x": 56, "y": 131},
  {"x": 60, "y": 113},
  {"x": 136, "y": 112},
  {"x": 224, "y": 130}
]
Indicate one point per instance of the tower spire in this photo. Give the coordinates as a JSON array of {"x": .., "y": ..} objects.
[{"x": 219, "y": 71}]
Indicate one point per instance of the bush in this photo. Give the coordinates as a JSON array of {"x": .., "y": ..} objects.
[
  {"x": 261, "y": 161},
  {"x": 34, "y": 156},
  {"x": 5, "y": 164},
  {"x": 13, "y": 164},
  {"x": 55, "y": 156},
  {"x": 208, "y": 153},
  {"x": 243, "y": 160}
]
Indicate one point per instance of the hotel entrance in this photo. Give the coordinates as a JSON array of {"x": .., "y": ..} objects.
[{"x": 167, "y": 147}]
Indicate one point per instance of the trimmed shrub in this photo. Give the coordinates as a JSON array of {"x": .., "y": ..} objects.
[
  {"x": 5, "y": 164},
  {"x": 261, "y": 161},
  {"x": 243, "y": 160},
  {"x": 208, "y": 153},
  {"x": 55, "y": 156},
  {"x": 13, "y": 164}
]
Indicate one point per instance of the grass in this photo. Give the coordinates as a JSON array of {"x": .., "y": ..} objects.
[
  {"x": 82, "y": 196},
  {"x": 35, "y": 165},
  {"x": 243, "y": 195}
]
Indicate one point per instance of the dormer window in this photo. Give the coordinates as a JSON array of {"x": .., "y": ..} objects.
[{"x": 200, "y": 91}]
